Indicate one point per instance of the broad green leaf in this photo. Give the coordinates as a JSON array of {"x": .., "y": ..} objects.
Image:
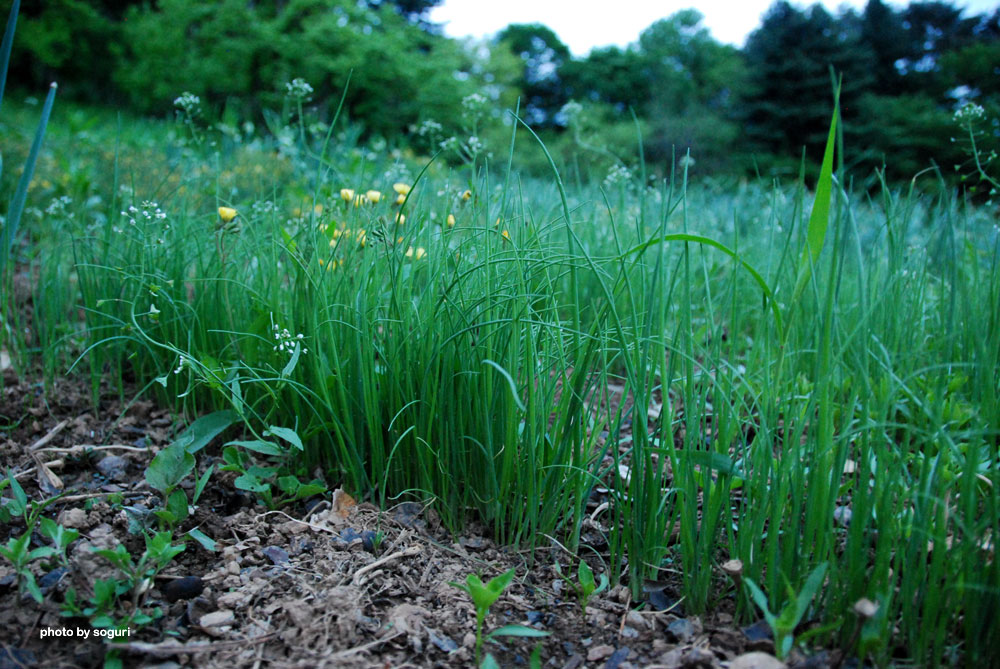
[
  {"x": 250, "y": 483},
  {"x": 586, "y": 576},
  {"x": 294, "y": 360},
  {"x": 517, "y": 630},
  {"x": 258, "y": 446},
  {"x": 207, "y": 542},
  {"x": 177, "y": 504},
  {"x": 285, "y": 433},
  {"x": 199, "y": 433},
  {"x": 169, "y": 468}
]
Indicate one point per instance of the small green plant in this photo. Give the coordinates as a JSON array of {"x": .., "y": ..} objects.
[
  {"x": 17, "y": 548},
  {"x": 16, "y": 551},
  {"x": 104, "y": 609},
  {"x": 176, "y": 462},
  {"x": 584, "y": 586},
  {"x": 784, "y": 623},
  {"x": 483, "y": 596},
  {"x": 272, "y": 484}
]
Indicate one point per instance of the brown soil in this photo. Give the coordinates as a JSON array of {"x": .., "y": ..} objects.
[{"x": 327, "y": 584}]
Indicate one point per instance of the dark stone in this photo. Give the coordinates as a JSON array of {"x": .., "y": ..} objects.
[
  {"x": 114, "y": 467},
  {"x": 617, "y": 658},
  {"x": 52, "y": 578},
  {"x": 680, "y": 630},
  {"x": 179, "y": 589},
  {"x": 758, "y": 631},
  {"x": 276, "y": 555},
  {"x": 443, "y": 642}
]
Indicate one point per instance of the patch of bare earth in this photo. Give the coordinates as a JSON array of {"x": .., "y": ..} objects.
[{"x": 327, "y": 584}]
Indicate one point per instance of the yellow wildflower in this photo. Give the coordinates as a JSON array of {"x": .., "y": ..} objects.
[
  {"x": 362, "y": 237},
  {"x": 451, "y": 220},
  {"x": 402, "y": 189},
  {"x": 400, "y": 199},
  {"x": 226, "y": 214},
  {"x": 505, "y": 235},
  {"x": 346, "y": 194},
  {"x": 417, "y": 253},
  {"x": 373, "y": 196},
  {"x": 466, "y": 196},
  {"x": 400, "y": 219},
  {"x": 360, "y": 200}
]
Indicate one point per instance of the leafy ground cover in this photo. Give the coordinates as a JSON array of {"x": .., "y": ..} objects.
[{"x": 764, "y": 402}]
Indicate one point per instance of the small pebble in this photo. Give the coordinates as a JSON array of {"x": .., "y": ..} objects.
[
  {"x": 598, "y": 653},
  {"x": 179, "y": 589}
]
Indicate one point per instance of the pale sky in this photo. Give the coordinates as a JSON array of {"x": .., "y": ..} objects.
[{"x": 584, "y": 24}]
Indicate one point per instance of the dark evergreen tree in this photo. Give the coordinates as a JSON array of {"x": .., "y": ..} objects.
[
  {"x": 544, "y": 55},
  {"x": 790, "y": 90}
]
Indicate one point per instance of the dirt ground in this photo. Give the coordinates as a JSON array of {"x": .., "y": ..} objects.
[{"x": 329, "y": 583}]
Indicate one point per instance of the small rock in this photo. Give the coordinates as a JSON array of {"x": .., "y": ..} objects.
[
  {"x": 52, "y": 578},
  {"x": 276, "y": 555},
  {"x": 73, "y": 518},
  {"x": 629, "y": 632},
  {"x": 636, "y": 620},
  {"x": 217, "y": 618},
  {"x": 681, "y": 630},
  {"x": 233, "y": 567},
  {"x": 617, "y": 658},
  {"x": 230, "y": 600},
  {"x": 115, "y": 467},
  {"x": 759, "y": 631},
  {"x": 696, "y": 658},
  {"x": 756, "y": 660},
  {"x": 443, "y": 642},
  {"x": 469, "y": 640},
  {"x": 180, "y": 589},
  {"x": 598, "y": 653}
]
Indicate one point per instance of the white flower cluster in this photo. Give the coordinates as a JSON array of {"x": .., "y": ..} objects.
[
  {"x": 969, "y": 112},
  {"x": 188, "y": 103},
  {"x": 59, "y": 207},
  {"x": 616, "y": 175},
  {"x": 299, "y": 89},
  {"x": 285, "y": 341},
  {"x": 181, "y": 363},
  {"x": 262, "y": 208},
  {"x": 475, "y": 145},
  {"x": 150, "y": 211},
  {"x": 429, "y": 128}
]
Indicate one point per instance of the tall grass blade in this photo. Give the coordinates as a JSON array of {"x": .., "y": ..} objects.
[
  {"x": 21, "y": 194},
  {"x": 8, "y": 44},
  {"x": 819, "y": 218}
]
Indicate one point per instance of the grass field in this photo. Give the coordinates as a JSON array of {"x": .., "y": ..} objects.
[{"x": 752, "y": 377}]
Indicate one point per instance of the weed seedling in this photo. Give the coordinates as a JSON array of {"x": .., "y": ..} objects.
[
  {"x": 783, "y": 624},
  {"x": 585, "y": 586},
  {"x": 483, "y": 596}
]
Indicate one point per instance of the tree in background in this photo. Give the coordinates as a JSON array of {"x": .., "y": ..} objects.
[
  {"x": 790, "y": 89},
  {"x": 232, "y": 52},
  {"x": 543, "y": 55},
  {"x": 697, "y": 83}
]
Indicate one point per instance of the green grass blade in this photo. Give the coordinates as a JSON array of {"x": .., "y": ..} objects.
[
  {"x": 8, "y": 43},
  {"x": 819, "y": 218},
  {"x": 17, "y": 204}
]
